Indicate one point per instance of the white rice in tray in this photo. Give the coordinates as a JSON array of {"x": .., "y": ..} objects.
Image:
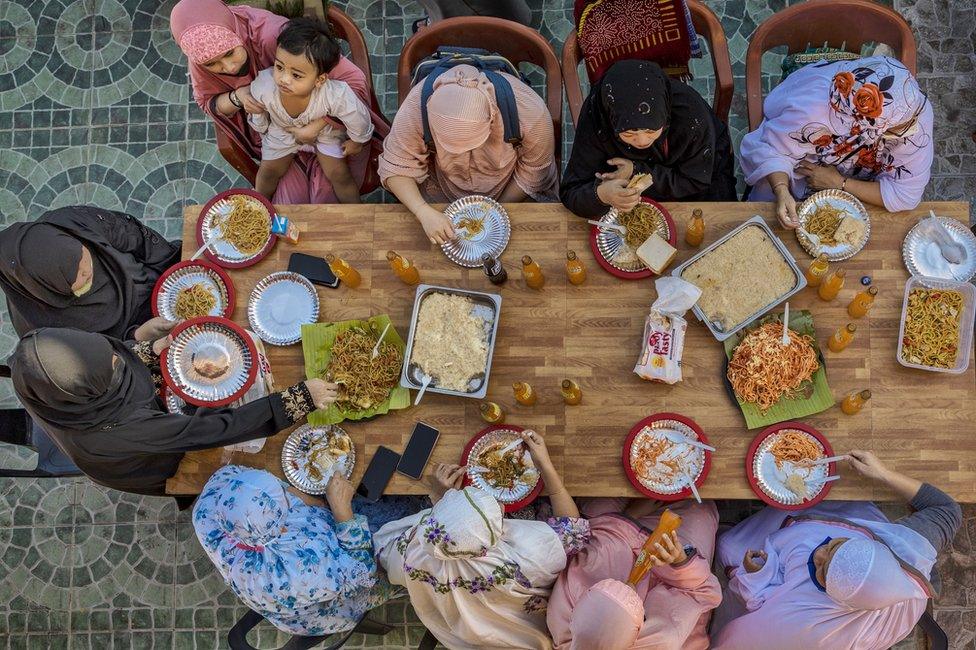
[{"x": 450, "y": 344}]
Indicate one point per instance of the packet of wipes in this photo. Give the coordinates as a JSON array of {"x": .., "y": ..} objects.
[{"x": 664, "y": 331}]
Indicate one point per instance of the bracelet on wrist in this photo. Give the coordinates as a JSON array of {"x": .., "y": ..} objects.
[
  {"x": 843, "y": 185},
  {"x": 232, "y": 96}
]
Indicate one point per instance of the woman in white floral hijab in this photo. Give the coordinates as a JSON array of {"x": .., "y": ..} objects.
[{"x": 475, "y": 579}]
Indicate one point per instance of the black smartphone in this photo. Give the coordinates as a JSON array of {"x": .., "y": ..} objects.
[
  {"x": 378, "y": 474},
  {"x": 418, "y": 450},
  {"x": 316, "y": 269}
]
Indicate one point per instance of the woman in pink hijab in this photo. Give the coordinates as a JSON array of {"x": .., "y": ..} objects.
[
  {"x": 837, "y": 575},
  {"x": 591, "y": 607},
  {"x": 226, "y": 48}
]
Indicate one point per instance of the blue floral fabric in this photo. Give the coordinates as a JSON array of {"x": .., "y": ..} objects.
[{"x": 290, "y": 562}]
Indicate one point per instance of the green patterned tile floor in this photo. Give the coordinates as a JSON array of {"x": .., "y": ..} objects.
[{"x": 95, "y": 108}]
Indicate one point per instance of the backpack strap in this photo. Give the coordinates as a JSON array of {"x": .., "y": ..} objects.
[{"x": 504, "y": 97}]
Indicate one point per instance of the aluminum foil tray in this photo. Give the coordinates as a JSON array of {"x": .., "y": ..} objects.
[
  {"x": 279, "y": 305},
  {"x": 295, "y": 457},
  {"x": 183, "y": 276},
  {"x": 842, "y": 201},
  {"x": 692, "y": 457},
  {"x": 482, "y": 227},
  {"x": 801, "y": 280},
  {"x": 501, "y": 437},
  {"x": 771, "y": 480},
  {"x": 922, "y": 256},
  {"x": 487, "y": 305},
  {"x": 211, "y": 361}
]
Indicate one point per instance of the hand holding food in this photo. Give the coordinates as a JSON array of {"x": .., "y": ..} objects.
[
  {"x": 753, "y": 561},
  {"x": 339, "y": 493},
  {"x": 537, "y": 448},
  {"x": 617, "y": 194},
  {"x": 786, "y": 206},
  {"x": 323, "y": 392},
  {"x": 154, "y": 328},
  {"x": 436, "y": 224}
]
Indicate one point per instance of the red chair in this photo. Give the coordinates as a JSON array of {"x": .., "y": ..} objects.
[
  {"x": 706, "y": 25},
  {"x": 848, "y": 23},
  {"x": 515, "y": 42},
  {"x": 346, "y": 30}
]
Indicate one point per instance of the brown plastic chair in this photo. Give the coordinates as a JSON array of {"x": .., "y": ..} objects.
[
  {"x": 706, "y": 24},
  {"x": 850, "y": 23},
  {"x": 346, "y": 30},
  {"x": 515, "y": 42}
]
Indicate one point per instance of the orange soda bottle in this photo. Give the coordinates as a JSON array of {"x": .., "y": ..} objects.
[
  {"x": 575, "y": 269},
  {"x": 853, "y": 402},
  {"x": 532, "y": 273},
  {"x": 403, "y": 268},
  {"x": 668, "y": 523},
  {"x": 572, "y": 393},
  {"x": 492, "y": 413},
  {"x": 524, "y": 394},
  {"x": 817, "y": 270},
  {"x": 695, "y": 234},
  {"x": 862, "y": 302},
  {"x": 343, "y": 271},
  {"x": 832, "y": 285},
  {"x": 841, "y": 338}
]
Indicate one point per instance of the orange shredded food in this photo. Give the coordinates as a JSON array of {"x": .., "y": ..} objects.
[
  {"x": 794, "y": 447},
  {"x": 649, "y": 465},
  {"x": 762, "y": 369}
]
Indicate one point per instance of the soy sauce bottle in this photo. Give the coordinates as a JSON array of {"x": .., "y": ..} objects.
[{"x": 494, "y": 269}]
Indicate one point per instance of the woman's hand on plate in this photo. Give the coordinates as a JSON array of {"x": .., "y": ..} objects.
[
  {"x": 754, "y": 561},
  {"x": 339, "y": 493},
  {"x": 786, "y": 207},
  {"x": 324, "y": 393},
  {"x": 161, "y": 344},
  {"x": 444, "y": 477},
  {"x": 154, "y": 328},
  {"x": 616, "y": 194},
  {"x": 436, "y": 224},
  {"x": 624, "y": 170},
  {"x": 668, "y": 551}
]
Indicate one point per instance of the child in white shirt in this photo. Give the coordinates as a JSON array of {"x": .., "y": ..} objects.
[{"x": 297, "y": 91}]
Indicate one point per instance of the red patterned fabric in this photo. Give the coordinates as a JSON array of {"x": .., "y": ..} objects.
[{"x": 651, "y": 30}]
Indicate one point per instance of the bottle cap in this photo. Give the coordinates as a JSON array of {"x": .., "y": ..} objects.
[
  {"x": 526, "y": 260},
  {"x": 873, "y": 291},
  {"x": 570, "y": 255},
  {"x": 391, "y": 255},
  {"x": 851, "y": 327},
  {"x": 865, "y": 394}
]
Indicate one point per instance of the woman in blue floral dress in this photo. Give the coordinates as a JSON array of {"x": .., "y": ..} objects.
[
  {"x": 475, "y": 579},
  {"x": 307, "y": 569}
]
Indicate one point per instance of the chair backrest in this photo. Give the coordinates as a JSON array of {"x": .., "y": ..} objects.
[
  {"x": 707, "y": 26},
  {"x": 517, "y": 43},
  {"x": 848, "y": 23},
  {"x": 346, "y": 29}
]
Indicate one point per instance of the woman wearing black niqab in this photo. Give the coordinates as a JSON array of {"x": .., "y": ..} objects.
[
  {"x": 83, "y": 267},
  {"x": 638, "y": 121},
  {"x": 95, "y": 397}
]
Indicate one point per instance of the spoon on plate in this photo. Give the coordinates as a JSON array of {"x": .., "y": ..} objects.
[{"x": 677, "y": 438}]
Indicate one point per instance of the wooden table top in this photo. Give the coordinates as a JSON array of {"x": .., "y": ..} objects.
[{"x": 918, "y": 422}]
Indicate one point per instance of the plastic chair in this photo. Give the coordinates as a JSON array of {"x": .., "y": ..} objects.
[
  {"x": 515, "y": 42},
  {"x": 345, "y": 29},
  {"x": 835, "y": 22},
  {"x": 237, "y": 637},
  {"x": 706, "y": 24}
]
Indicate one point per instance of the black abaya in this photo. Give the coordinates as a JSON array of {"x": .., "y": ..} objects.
[{"x": 691, "y": 161}]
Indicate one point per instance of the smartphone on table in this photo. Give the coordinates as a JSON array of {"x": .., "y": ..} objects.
[
  {"x": 418, "y": 451},
  {"x": 378, "y": 474},
  {"x": 316, "y": 269}
]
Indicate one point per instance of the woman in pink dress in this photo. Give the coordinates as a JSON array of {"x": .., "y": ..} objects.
[
  {"x": 591, "y": 607},
  {"x": 227, "y": 47}
]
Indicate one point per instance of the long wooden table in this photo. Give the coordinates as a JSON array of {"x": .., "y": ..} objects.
[{"x": 919, "y": 422}]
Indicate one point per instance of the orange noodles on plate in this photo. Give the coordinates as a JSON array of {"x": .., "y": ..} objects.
[
  {"x": 794, "y": 447},
  {"x": 762, "y": 369}
]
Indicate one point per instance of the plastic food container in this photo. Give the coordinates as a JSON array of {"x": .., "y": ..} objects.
[{"x": 966, "y": 320}]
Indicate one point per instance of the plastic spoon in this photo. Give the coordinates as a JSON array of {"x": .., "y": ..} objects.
[
  {"x": 786, "y": 324},
  {"x": 609, "y": 226},
  {"x": 423, "y": 389},
  {"x": 676, "y": 437},
  {"x": 694, "y": 489},
  {"x": 376, "y": 348},
  {"x": 953, "y": 252},
  {"x": 214, "y": 236}
]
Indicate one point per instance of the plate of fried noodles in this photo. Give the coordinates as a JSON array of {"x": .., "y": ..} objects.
[
  {"x": 618, "y": 254},
  {"x": 191, "y": 289},
  {"x": 342, "y": 353},
  {"x": 838, "y": 219},
  {"x": 239, "y": 220}
]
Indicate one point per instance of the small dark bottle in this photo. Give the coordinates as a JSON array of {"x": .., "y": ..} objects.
[{"x": 493, "y": 269}]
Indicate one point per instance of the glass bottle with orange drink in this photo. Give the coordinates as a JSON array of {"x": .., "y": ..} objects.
[
  {"x": 855, "y": 401},
  {"x": 574, "y": 268},
  {"x": 532, "y": 273},
  {"x": 817, "y": 270},
  {"x": 343, "y": 270},
  {"x": 695, "y": 234},
  {"x": 832, "y": 285},
  {"x": 524, "y": 394},
  {"x": 862, "y": 302},
  {"x": 404, "y": 268},
  {"x": 491, "y": 413},
  {"x": 841, "y": 338},
  {"x": 572, "y": 393}
]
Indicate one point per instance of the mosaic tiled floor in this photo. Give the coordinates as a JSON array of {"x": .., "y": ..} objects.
[{"x": 95, "y": 108}]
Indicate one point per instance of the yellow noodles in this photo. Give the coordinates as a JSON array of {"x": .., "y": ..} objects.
[
  {"x": 640, "y": 222},
  {"x": 363, "y": 381},
  {"x": 932, "y": 327},
  {"x": 824, "y": 222},
  {"x": 247, "y": 226},
  {"x": 194, "y": 301}
]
